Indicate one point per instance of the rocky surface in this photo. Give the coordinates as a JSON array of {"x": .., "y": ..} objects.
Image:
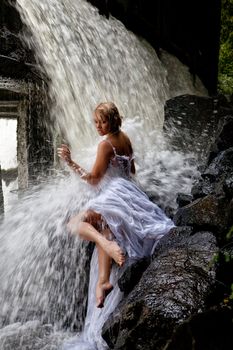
[
  {"x": 16, "y": 59},
  {"x": 173, "y": 26},
  {"x": 210, "y": 330},
  {"x": 178, "y": 302},
  {"x": 175, "y": 285},
  {"x": 191, "y": 122}
]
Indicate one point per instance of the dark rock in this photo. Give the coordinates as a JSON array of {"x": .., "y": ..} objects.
[
  {"x": 10, "y": 17},
  {"x": 210, "y": 330},
  {"x": 224, "y": 139},
  {"x": 177, "y": 237},
  {"x": 17, "y": 60},
  {"x": 173, "y": 287},
  {"x": 191, "y": 123},
  {"x": 183, "y": 199},
  {"x": 173, "y": 26},
  {"x": 216, "y": 179},
  {"x": 132, "y": 275},
  {"x": 211, "y": 212},
  {"x": 228, "y": 187},
  {"x": 222, "y": 164}
]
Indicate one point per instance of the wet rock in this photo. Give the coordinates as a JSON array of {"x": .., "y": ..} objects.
[
  {"x": 177, "y": 237},
  {"x": 228, "y": 187},
  {"x": 195, "y": 44},
  {"x": 191, "y": 122},
  {"x": 224, "y": 138},
  {"x": 173, "y": 287},
  {"x": 183, "y": 199},
  {"x": 216, "y": 179},
  {"x": 222, "y": 164},
  {"x": 211, "y": 212},
  {"x": 16, "y": 58},
  {"x": 132, "y": 275},
  {"x": 210, "y": 330}
]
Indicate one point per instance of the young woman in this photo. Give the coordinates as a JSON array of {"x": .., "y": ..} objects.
[{"x": 121, "y": 219}]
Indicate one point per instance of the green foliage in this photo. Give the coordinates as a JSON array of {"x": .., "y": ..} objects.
[
  {"x": 230, "y": 233},
  {"x": 226, "y": 49},
  {"x": 231, "y": 295}
]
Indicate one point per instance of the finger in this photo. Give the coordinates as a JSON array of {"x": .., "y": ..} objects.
[{"x": 65, "y": 146}]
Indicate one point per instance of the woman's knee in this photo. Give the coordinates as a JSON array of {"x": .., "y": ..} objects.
[{"x": 75, "y": 223}]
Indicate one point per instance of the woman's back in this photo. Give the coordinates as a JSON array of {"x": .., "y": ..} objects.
[
  {"x": 121, "y": 143},
  {"x": 122, "y": 152}
]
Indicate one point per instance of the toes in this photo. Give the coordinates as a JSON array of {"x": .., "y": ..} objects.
[{"x": 100, "y": 302}]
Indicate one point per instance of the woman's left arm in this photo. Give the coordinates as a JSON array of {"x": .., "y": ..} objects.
[{"x": 104, "y": 154}]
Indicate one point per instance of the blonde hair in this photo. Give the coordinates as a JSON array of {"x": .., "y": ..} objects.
[{"x": 110, "y": 111}]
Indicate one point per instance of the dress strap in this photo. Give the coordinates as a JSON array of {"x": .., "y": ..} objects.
[{"x": 114, "y": 149}]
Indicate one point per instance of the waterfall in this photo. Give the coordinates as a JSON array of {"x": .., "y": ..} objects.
[{"x": 88, "y": 59}]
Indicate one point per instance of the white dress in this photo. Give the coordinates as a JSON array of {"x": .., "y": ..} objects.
[
  {"x": 135, "y": 222},
  {"x": 137, "y": 225}
]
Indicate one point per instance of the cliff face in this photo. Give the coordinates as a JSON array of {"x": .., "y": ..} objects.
[
  {"x": 188, "y": 29},
  {"x": 16, "y": 60}
]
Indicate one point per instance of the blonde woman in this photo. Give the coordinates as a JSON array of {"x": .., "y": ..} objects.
[{"x": 121, "y": 219}]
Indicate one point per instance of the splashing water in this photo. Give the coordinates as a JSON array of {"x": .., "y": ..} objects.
[{"x": 88, "y": 59}]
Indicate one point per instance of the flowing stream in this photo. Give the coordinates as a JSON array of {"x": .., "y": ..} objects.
[{"x": 88, "y": 59}]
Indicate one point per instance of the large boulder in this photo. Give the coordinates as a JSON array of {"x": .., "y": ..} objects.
[
  {"x": 16, "y": 59},
  {"x": 224, "y": 136},
  {"x": 191, "y": 122},
  {"x": 211, "y": 212},
  {"x": 216, "y": 179},
  {"x": 176, "y": 285},
  {"x": 173, "y": 26},
  {"x": 210, "y": 330},
  {"x": 212, "y": 205}
]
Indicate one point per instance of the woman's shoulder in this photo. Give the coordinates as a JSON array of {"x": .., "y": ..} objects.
[{"x": 105, "y": 147}]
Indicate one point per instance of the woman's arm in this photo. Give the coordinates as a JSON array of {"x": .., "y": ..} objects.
[{"x": 104, "y": 154}]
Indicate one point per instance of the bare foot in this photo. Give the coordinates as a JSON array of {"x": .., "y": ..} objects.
[
  {"x": 102, "y": 291},
  {"x": 114, "y": 251}
]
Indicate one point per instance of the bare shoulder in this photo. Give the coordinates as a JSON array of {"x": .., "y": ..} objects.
[{"x": 105, "y": 148}]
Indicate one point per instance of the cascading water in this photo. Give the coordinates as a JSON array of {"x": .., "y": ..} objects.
[{"x": 88, "y": 59}]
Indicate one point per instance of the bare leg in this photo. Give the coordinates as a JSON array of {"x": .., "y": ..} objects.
[
  {"x": 106, "y": 250},
  {"x": 103, "y": 287},
  {"x": 88, "y": 232}
]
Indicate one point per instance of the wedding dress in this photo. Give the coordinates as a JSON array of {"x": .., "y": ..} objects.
[{"x": 136, "y": 223}]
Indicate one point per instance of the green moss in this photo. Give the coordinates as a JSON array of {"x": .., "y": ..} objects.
[{"x": 226, "y": 49}]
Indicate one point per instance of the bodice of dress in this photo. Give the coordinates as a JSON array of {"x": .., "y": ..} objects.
[{"x": 120, "y": 165}]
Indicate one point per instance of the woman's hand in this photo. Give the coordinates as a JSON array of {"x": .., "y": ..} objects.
[{"x": 64, "y": 153}]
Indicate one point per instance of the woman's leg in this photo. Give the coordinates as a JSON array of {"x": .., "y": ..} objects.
[
  {"x": 103, "y": 286},
  {"x": 88, "y": 232}
]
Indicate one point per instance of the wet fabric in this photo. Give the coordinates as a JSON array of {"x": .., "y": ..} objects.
[{"x": 136, "y": 222}]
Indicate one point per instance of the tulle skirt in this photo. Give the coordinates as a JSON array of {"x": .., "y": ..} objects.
[{"x": 136, "y": 223}]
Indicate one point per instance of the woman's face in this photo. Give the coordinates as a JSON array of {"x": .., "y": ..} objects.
[{"x": 102, "y": 124}]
